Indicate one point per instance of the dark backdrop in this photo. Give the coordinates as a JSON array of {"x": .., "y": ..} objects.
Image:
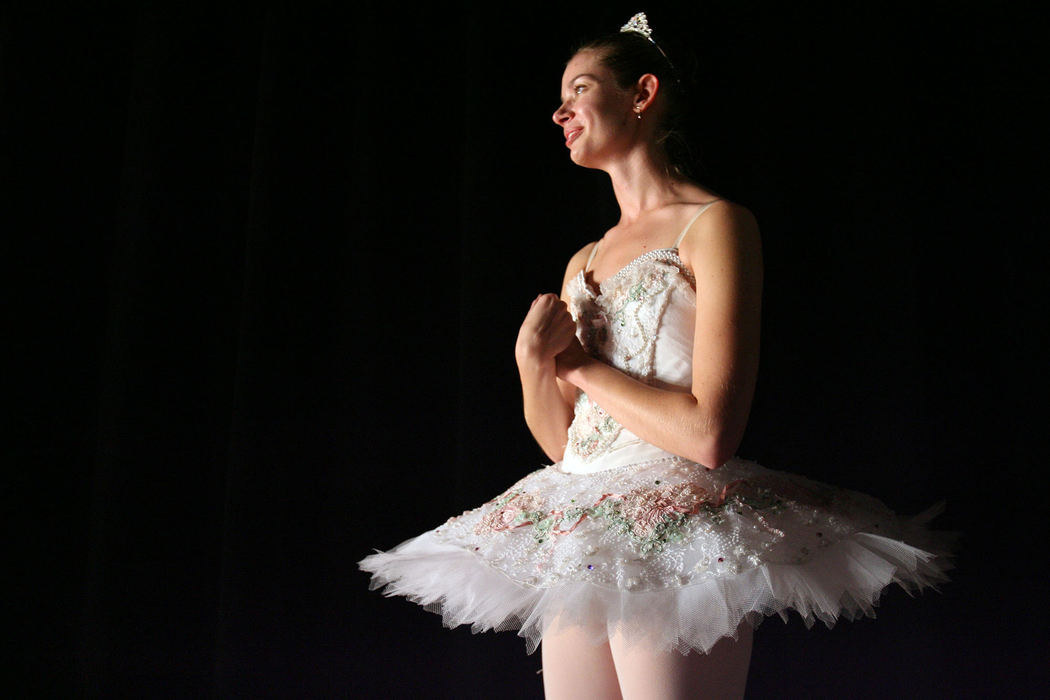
[{"x": 266, "y": 270}]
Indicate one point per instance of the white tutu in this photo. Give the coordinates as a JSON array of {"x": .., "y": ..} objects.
[{"x": 669, "y": 553}]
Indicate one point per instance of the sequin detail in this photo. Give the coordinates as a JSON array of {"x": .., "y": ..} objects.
[
  {"x": 619, "y": 325},
  {"x": 649, "y": 516},
  {"x": 592, "y": 430},
  {"x": 667, "y": 524}
]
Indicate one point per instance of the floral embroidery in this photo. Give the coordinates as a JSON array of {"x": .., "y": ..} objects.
[
  {"x": 512, "y": 509},
  {"x": 649, "y": 517},
  {"x": 649, "y": 508},
  {"x": 593, "y": 430},
  {"x": 650, "y": 284}
]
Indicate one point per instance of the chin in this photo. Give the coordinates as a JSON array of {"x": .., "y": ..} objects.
[
  {"x": 584, "y": 163},
  {"x": 579, "y": 157}
]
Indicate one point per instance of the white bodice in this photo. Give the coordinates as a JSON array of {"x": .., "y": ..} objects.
[{"x": 641, "y": 322}]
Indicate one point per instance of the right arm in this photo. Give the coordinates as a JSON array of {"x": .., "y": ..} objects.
[{"x": 548, "y": 401}]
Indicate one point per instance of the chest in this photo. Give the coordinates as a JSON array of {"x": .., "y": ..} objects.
[{"x": 620, "y": 320}]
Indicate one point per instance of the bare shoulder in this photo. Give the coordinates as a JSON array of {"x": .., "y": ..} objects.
[
  {"x": 725, "y": 229},
  {"x": 577, "y": 263},
  {"x": 727, "y": 218}
]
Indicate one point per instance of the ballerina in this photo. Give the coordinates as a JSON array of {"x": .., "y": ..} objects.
[{"x": 645, "y": 554}]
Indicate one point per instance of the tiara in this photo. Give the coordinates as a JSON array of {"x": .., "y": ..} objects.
[{"x": 640, "y": 25}]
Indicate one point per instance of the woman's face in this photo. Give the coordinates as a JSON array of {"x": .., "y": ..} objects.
[{"x": 595, "y": 114}]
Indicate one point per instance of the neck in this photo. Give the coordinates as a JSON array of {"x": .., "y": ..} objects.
[{"x": 641, "y": 183}]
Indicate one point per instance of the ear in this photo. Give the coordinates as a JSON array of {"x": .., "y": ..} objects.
[{"x": 645, "y": 92}]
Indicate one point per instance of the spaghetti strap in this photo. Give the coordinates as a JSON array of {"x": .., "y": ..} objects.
[
  {"x": 594, "y": 249},
  {"x": 691, "y": 222}
]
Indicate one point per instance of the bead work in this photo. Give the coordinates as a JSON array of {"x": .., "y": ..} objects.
[
  {"x": 666, "y": 524},
  {"x": 620, "y": 325},
  {"x": 592, "y": 430}
]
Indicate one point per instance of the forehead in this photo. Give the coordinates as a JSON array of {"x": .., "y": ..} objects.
[{"x": 583, "y": 62}]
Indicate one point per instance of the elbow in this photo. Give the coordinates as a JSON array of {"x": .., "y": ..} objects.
[
  {"x": 714, "y": 450},
  {"x": 713, "y": 459},
  {"x": 715, "y": 438}
]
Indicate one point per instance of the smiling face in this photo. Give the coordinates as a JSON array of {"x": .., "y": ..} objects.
[{"x": 596, "y": 115}]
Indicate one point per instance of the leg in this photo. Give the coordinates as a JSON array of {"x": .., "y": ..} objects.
[
  {"x": 720, "y": 674},
  {"x": 576, "y": 669}
]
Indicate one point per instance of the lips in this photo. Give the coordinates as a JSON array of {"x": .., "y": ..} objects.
[{"x": 572, "y": 134}]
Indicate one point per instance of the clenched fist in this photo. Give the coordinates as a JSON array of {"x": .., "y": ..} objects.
[{"x": 547, "y": 330}]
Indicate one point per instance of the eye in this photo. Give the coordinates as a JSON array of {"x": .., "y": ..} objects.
[{"x": 578, "y": 89}]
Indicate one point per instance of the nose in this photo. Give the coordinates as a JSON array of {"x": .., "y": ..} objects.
[{"x": 561, "y": 115}]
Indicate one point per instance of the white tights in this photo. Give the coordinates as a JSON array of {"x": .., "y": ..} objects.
[{"x": 576, "y": 669}]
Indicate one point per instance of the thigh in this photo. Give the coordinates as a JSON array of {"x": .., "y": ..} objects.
[
  {"x": 648, "y": 675},
  {"x": 574, "y": 668}
]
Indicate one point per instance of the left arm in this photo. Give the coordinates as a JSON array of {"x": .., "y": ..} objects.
[{"x": 724, "y": 251}]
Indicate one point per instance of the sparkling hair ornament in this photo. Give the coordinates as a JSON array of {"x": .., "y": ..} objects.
[{"x": 640, "y": 25}]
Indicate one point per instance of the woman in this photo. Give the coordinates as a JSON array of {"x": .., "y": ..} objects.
[{"x": 646, "y": 553}]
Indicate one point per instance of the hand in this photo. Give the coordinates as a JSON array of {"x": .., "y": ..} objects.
[
  {"x": 547, "y": 330},
  {"x": 571, "y": 358}
]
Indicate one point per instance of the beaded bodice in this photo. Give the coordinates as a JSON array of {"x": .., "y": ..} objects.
[{"x": 641, "y": 322}]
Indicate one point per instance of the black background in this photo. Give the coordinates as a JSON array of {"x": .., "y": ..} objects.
[{"x": 266, "y": 268}]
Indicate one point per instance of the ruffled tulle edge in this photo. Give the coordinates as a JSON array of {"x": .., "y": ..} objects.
[{"x": 845, "y": 580}]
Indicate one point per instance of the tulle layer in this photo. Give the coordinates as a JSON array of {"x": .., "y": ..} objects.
[{"x": 670, "y": 555}]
